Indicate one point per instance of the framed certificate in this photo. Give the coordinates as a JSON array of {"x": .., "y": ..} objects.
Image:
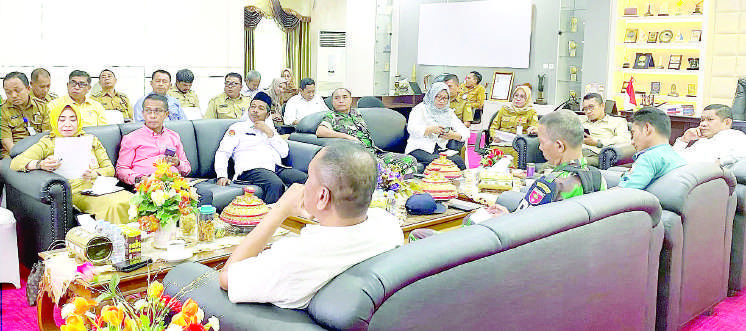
[
  {"x": 674, "y": 62},
  {"x": 655, "y": 88},
  {"x": 630, "y": 36},
  {"x": 502, "y": 84},
  {"x": 696, "y": 36},
  {"x": 652, "y": 37}
]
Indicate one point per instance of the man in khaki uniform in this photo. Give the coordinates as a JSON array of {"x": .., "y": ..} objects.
[
  {"x": 78, "y": 86},
  {"x": 459, "y": 105},
  {"x": 110, "y": 98},
  {"x": 40, "y": 84},
  {"x": 182, "y": 90},
  {"x": 21, "y": 114},
  {"x": 229, "y": 104}
]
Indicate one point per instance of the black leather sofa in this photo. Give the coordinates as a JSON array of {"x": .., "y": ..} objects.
[
  {"x": 609, "y": 156},
  {"x": 41, "y": 201},
  {"x": 587, "y": 263}
]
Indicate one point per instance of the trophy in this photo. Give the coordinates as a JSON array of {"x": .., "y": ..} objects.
[
  {"x": 573, "y": 24},
  {"x": 540, "y": 99},
  {"x": 649, "y": 13},
  {"x": 673, "y": 92},
  {"x": 574, "y": 73},
  {"x": 698, "y": 8},
  {"x": 572, "y": 47}
]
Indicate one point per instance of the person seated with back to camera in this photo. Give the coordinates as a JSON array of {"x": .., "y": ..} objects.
[
  {"x": 651, "y": 128},
  {"x": 714, "y": 139},
  {"x": 64, "y": 120},
  {"x": 257, "y": 150},
  {"x": 140, "y": 149},
  {"x": 604, "y": 129},
  {"x": 432, "y": 124},
  {"x": 346, "y": 122},
  {"x": 341, "y": 181},
  {"x": 560, "y": 140}
]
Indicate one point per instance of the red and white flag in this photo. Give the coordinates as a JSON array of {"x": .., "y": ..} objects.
[{"x": 631, "y": 91}]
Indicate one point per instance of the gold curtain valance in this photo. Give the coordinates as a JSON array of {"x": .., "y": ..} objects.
[{"x": 300, "y": 9}]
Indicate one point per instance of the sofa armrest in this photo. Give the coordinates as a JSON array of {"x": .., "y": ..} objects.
[
  {"x": 300, "y": 155},
  {"x": 35, "y": 184},
  {"x": 739, "y": 171},
  {"x": 615, "y": 155},
  {"x": 528, "y": 151},
  {"x": 510, "y": 199},
  {"x": 478, "y": 148}
]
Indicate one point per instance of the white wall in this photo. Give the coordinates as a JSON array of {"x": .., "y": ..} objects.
[
  {"x": 135, "y": 37},
  {"x": 361, "y": 29}
]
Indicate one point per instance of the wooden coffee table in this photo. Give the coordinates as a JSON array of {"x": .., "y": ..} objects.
[{"x": 451, "y": 219}]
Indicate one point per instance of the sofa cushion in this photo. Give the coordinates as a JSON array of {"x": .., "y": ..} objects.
[
  {"x": 209, "y": 132},
  {"x": 110, "y": 137},
  {"x": 25, "y": 143},
  {"x": 185, "y": 129},
  {"x": 300, "y": 155},
  {"x": 309, "y": 123},
  {"x": 388, "y": 128}
]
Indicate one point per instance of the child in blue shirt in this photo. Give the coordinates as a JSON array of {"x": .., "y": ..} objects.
[{"x": 651, "y": 129}]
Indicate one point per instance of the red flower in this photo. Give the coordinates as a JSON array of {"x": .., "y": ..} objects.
[
  {"x": 171, "y": 303},
  {"x": 195, "y": 327}
]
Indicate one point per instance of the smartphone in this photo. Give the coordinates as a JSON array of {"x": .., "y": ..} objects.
[
  {"x": 169, "y": 151},
  {"x": 588, "y": 132}
]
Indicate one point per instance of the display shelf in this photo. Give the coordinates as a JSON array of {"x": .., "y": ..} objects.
[
  {"x": 672, "y": 72},
  {"x": 685, "y": 46},
  {"x": 664, "y": 19},
  {"x": 664, "y": 97}
]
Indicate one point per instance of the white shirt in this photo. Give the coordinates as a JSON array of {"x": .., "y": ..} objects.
[
  {"x": 298, "y": 107},
  {"x": 418, "y": 122},
  {"x": 727, "y": 146},
  {"x": 250, "y": 93},
  {"x": 289, "y": 273},
  {"x": 250, "y": 148}
]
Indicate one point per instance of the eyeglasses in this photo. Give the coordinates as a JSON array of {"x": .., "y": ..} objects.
[
  {"x": 153, "y": 111},
  {"x": 445, "y": 98},
  {"x": 589, "y": 108},
  {"x": 232, "y": 84},
  {"x": 73, "y": 83}
]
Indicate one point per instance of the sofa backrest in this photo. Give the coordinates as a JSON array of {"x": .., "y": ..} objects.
[
  {"x": 690, "y": 185},
  {"x": 388, "y": 128},
  {"x": 528, "y": 270},
  {"x": 209, "y": 133},
  {"x": 110, "y": 137},
  {"x": 739, "y": 100}
]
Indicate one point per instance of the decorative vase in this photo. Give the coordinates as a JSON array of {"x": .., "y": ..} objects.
[{"x": 164, "y": 234}]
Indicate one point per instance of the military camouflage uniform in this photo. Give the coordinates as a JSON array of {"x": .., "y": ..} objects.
[
  {"x": 566, "y": 185},
  {"x": 353, "y": 124}
]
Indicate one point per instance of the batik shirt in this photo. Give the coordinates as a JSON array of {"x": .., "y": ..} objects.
[{"x": 558, "y": 185}]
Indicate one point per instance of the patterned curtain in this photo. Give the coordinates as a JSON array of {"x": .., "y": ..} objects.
[
  {"x": 251, "y": 18},
  {"x": 298, "y": 50}
]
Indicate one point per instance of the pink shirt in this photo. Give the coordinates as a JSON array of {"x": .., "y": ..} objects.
[{"x": 142, "y": 147}]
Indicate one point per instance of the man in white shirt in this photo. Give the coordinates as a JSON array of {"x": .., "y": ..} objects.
[
  {"x": 714, "y": 140},
  {"x": 257, "y": 152},
  {"x": 306, "y": 102},
  {"x": 339, "y": 189},
  {"x": 253, "y": 79}
]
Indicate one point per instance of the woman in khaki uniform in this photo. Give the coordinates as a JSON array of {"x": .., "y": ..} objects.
[
  {"x": 518, "y": 117},
  {"x": 64, "y": 121}
]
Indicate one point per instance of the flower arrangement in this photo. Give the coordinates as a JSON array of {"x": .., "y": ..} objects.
[
  {"x": 161, "y": 198},
  {"x": 153, "y": 312},
  {"x": 491, "y": 158}
]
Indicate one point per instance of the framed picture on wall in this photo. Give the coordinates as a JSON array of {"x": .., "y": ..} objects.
[
  {"x": 502, "y": 84},
  {"x": 655, "y": 88},
  {"x": 652, "y": 37}
]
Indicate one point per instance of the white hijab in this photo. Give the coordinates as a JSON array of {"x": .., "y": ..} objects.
[{"x": 441, "y": 116}]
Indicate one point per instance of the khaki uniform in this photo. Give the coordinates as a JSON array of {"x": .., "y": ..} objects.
[
  {"x": 222, "y": 106},
  {"x": 50, "y": 96},
  {"x": 91, "y": 111},
  {"x": 463, "y": 111},
  {"x": 188, "y": 99},
  {"x": 12, "y": 123},
  {"x": 115, "y": 101},
  {"x": 111, "y": 207},
  {"x": 474, "y": 96}
]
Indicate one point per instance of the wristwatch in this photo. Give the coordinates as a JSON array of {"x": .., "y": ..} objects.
[{"x": 599, "y": 144}]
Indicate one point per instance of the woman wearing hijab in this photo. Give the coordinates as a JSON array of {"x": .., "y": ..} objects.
[
  {"x": 277, "y": 91},
  {"x": 64, "y": 120},
  {"x": 432, "y": 124},
  {"x": 518, "y": 117},
  {"x": 290, "y": 89}
]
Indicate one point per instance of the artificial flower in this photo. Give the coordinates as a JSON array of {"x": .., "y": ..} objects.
[
  {"x": 112, "y": 315},
  {"x": 140, "y": 304},
  {"x": 214, "y": 323},
  {"x": 155, "y": 289},
  {"x": 195, "y": 327},
  {"x": 130, "y": 325},
  {"x": 73, "y": 323},
  {"x": 159, "y": 197},
  {"x": 87, "y": 272}
]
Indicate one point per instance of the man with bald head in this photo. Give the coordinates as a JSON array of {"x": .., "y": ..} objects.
[
  {"x": 341, "y": 180},
  {"x": 41, "y": 82},
  {"x": 713, "y": 140}
]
